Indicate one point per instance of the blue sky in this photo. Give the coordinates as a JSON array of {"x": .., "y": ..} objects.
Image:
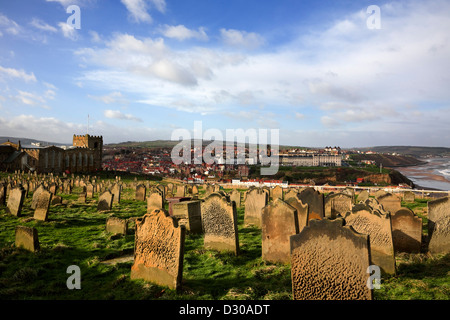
[{"x": 143, "y": 68}]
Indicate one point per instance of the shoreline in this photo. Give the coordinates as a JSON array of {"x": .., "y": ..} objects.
[{"x": 425, "y": 174}]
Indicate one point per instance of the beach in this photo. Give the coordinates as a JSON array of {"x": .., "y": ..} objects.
[{"x": 433, "y": 175}]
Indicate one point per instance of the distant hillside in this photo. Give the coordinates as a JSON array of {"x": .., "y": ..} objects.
[
  {"x": 414, "y": 151},
  {"x": 389, "y": 160},
  {"x": 27, "y": 141}
]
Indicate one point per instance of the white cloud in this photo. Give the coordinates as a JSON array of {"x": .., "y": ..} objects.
[
  {"x": 180, "y": 32},
  {"x": 41, "y": 25},
  {"x": 9, "y": 26},
  {"x": 113, "y": 97},
  {"x": 138, "y": 9},
  {"x": 95, "y": 37},
  {"x": 68, "y": 31},
  {"x": 18, "y": 74},
  {"x": 241, "y": 39},
  {"x": 116, "y": 114}
]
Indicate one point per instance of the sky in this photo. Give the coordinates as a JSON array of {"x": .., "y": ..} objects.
[{"x": 323, "y": 73}]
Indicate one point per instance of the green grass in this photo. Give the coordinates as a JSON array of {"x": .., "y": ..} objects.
[{"x": 75, "y": 235}]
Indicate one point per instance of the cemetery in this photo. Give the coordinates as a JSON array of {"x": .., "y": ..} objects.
[{"x": 135, "y": 239}]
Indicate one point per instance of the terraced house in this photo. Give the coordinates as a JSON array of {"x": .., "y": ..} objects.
[{"x": 85, "y": 155}]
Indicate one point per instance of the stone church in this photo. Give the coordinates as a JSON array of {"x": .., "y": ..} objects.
[{"x": 84, "y": 156}]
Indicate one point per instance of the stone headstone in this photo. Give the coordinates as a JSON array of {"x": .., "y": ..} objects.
[
  {"x": 27, "y": 238},
  {"x": 390, "y": 202},
  {"x": 292, "y": 193},
  {"x": 329, "y": 261},
  {"x": 378, "y": 226},
  {"x": 82, "y": 197},
  {"x": 158, "y": 250},
  {"x": 363, "y": 196},
  {"x": 15, "y": 201},
  {"x": 406, "y": 231},
  {"x": 181, "y": 191},
  {"x": 255, "y": 200},
  {"x": 236, "y": 197},
  {"x": 277, "y": 193},
  {"x": 337, "y": 205},
  {"x": 439, "y": 225},
  {"x": 279, "y": 222},
  {"x": 315, "y": 201},
  {"x": 116, "y": 191},
  {"x": 141, "y": 192},
  {"x": 36, "y": 193},
  {"x": 155, "y": 202},
  {"x": 2, "y": 194},
  {"x": 56, "y": 200},
  {"x": 219, "y": 224},
  {"x": 105, "y": 201},
  {"x": 89, "y": 190},
  {"x": 188, "y": 214},
  {"x": 43, "y": 205},
  {"x": 302, "y": 211},
  {"x": 116, "y": 225},
  {"x": 409, "y": 196}
]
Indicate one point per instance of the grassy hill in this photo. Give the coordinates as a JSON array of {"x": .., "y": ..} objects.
[{"x": 414, "y": 151}]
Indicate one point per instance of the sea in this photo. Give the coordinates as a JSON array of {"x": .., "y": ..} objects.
[{"x": 433, "y": 175}]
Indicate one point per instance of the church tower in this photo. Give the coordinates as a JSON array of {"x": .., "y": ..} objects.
[{"x": 94, "y": 143}]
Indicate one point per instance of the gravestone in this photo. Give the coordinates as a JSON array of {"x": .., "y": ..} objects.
[
  {"x": 27, "y": 238},
  {"x": 141, "y": 193},
  {"x": 105, "y": 201},
  {"x": 155, "y": 202},
  {"x": 188, "y": 214},
  {"x": 194, "y": 190},
  {"x": 89, "y": 190},
  {"x": 82, "y": 197},
  {"x": 219, "y": 224},
  {"x": 337, "y": 205},
  {"x": 181, "y": 191},
  {"x": 15, "y": 201},
  {"x": 363, "y": 196},
  {"x": 329, "y": 261},
  {"x": 2, "y": 194},
  {"x": 406, "y": 231},
  {"x": 255, "y": 200},
  {"x": 390, "y": 202},
  {"x": 236, "y": 197},
  {"x": 302, "y": 212},
  {"x": 116, "y": 191},
  {"x": 277, "y": 193},
  {"x": 378, "y": 226},
  {"x": 279, "y": 222},
  {"x": 56, "y": 200},
  {"x": 439, "y": 225},
  {"x": 158, "y": 250},
  {"x": 36, "y": 193},
  {"x": 315, "y": 201},
  {"x": 409, "y": 196},
  {"x": 43, "y": 205},
  {"x": 116, "y": 225}
]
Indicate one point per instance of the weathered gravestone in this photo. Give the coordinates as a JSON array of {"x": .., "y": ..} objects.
[
  {"x": 406, "y": 231},
  {"x": 337, "y": 204},
  {"x": 2, "y": 194},
  {"x": 255, "y": 200},
  {"x": 219, "y": 224},
  {"x": 292, "y": 193},
  {"x": 43, "y": 205},
  {"x": 279, "y": 222},
  {"x": 116, "y": 225},
  {"x": 363, "y": 196},
  {"x": 36, "y": 193},
  {"x": 116, "y": 190},
  {"x": 82, "y": 197},
  {"x": 89, "y": 190},
  {"x": 236, "y": 197},
  {"x": 390, "y": 202},
  {"x": 302, "y": 212},
  {"x": 315, "y": 201},
  {"x": 141, "y": 192},
  {"x": 439, "y": 225},
  {"x": 27, "y": 238},
  {"x": 155, "y": 202},
  {"x": 181, "y": 191},
  {"x": 409, "y": 196},
  {"x": 329, "y": 261},
  {"x": 277, "y": 193},
  {"x": 158, "y": 249},
  {"x": 105, "y": 201},
  {"x": 378, "y": 226},
  {"x": 188, "y": 214},
  {"x": 15, "y": 201}
]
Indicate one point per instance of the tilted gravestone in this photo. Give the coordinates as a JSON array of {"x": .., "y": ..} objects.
[
  {"x": 255, "y": 200},
  {"x": 329, "y": 261},
  {"x": 292, "y": 193},
  {"x": 378, "y": 226},
  {"x": 43, "y": 205},
  {"x": 337, "y": 205},
  {"x": 141, "y": 192},
  {"x": 439, "y": 225},
  {"x": 159, "y": 249},
  {"x": 406, "y": 231},
  {"x": 116, "y": 225},
  {"x": 219, "y": 224},
  {"x": 363, "y": 196},
  {"x": 315, "y": 201},
  {"x": 390, "y": 202},
  {"x": 27, "y": 238},
  {"x": 188, "y": 214},
  {"x": 236, "y": 197},
  {"x": 302, "y": 212},
  {"x": 15, "y": 201},
  {"x": 105, "y": 201},
  {"x": 279, "y": 222},
  {"x": 36, "y": 193}
]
